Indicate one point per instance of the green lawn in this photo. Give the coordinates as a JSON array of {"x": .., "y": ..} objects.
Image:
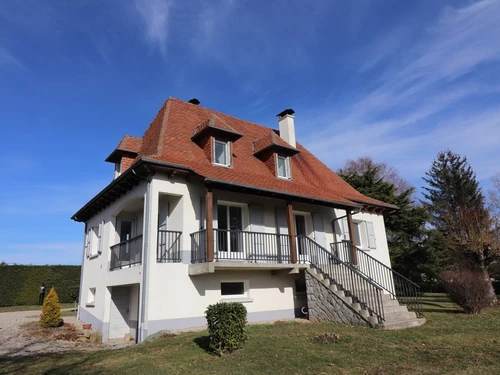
[
  {"x": 32, "y": 307},
  {"x": 450, "y": 343}
]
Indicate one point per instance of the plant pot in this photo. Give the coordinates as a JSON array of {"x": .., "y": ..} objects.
[{"x": 87, "y": 326}]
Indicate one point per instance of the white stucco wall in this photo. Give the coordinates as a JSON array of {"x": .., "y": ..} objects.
[
  {"x": 172, "y": 298},
  {"x": 96, "y": 272}
]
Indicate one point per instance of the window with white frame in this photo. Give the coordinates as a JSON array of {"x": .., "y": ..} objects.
[
  {"x": 222, "y": 153},
  {"x": 234, "y": 291},
  {"x": 118, "y": 169},
  {"x": 91, "y": 297},
  {"x": 93, "y": 241},
  {"x": 283, "y": 167},
  {"x": 364, "y": 234}
]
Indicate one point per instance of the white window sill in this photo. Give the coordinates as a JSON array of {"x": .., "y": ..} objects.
[
  {"x": 222, "y": 165},
  {"x": 90, "y": 304},
  {"x": 93, "y": 256},
  {"x": 238, "y": 299}
]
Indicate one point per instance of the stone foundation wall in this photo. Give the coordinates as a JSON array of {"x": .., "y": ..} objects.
[{"x": 325, "y": 306}]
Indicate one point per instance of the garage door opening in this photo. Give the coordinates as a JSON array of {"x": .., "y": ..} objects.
[{"x": 124, "y": 312}]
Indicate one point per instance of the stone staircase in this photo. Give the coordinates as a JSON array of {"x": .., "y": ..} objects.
[{"x": 394, "y": 316}]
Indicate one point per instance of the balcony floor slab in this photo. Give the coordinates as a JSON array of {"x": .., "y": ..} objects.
[{"x": 212, "y": 267}]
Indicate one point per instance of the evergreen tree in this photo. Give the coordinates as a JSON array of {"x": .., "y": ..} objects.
[
  {"x": 51, "y": 310},
  {"x": 405, "y": 228},
  {"x": 458, "y": 213},
  {"x": 452, "y": 184}
]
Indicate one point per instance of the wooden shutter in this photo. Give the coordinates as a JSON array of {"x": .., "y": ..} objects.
[
  {"x": 372, "y": 243},
  {"x": 202, "y": 213},
  {"x": 282, "y": 228},
  {"x": 89, "y": 242},
  {"x": 163, "y": 216},
  {"x": 99, "y": 237},
  {"x": 319, "y": 231},
  {"x": 257, "y": 226},
  {"x": 345, "y": 230}
]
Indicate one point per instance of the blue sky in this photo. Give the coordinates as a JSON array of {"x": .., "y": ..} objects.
[{"x": 394, "y": 80}]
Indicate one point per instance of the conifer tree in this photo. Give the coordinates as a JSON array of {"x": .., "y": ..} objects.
[
  {"x": 451, "y": 185},
  {"x": 405, "y": 227},
  {"x": 51, "y": 310},
  {"x": 458, "y": 213}
]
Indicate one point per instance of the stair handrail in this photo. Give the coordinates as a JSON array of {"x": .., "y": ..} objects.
[
  {"x": 362, "y": 290},
  {"x": 398, "y": 286}
]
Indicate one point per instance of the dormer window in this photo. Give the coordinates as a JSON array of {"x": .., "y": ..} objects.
[
  {"x": 222, "y": 153},
  {"x": 283, "y": 167}
]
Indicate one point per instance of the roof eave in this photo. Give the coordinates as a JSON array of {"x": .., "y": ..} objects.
[{"x": 282, "y": 194}]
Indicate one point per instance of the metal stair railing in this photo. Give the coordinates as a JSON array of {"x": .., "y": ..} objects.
[
  {"x": 362, "y": 290},
  {"x": 399, "y": 287}
]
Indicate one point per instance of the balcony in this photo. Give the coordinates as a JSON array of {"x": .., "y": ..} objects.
[
  {"x": 169, "y": 246},
  {"x": 243, "y": 250},
  {"x": 126, "y": 253}
]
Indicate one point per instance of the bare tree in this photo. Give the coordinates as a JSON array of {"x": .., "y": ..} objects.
[
  {"x": 384, "y": 172},
  {"x": 476, "y": 237},
  {"x": 494, "y": 194}
]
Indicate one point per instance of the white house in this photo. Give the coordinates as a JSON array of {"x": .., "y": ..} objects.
[{"x": 206, "y": 207}]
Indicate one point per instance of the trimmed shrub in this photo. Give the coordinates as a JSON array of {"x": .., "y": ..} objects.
[
  {"x": 51, "y": 310},
  {"x": 20, "y": 285},
  {"x": 226, "y": 326},
  {"x": 469, "y": 289}
]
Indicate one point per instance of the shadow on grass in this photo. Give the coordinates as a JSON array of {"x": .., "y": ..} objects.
[
  {"x": 25, "y": 364},
  {"x": 204, "y": 343},
  {"x": 441, "y": 310}
]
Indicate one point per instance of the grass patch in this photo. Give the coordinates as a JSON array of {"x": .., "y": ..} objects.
[
  {"x": 32, "y": 307},
  {"x": 451, "y": 342}
]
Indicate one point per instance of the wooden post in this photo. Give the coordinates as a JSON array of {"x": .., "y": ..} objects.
[
  {"x": 352, "y": 236},
  {"x": 209, "y": 209},
  {"x": 291, "y": 231}
]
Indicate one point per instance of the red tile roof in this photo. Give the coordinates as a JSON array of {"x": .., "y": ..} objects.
[
  {"x": 270, "y": 140},
  {"x": 130, "y": 143},
  {"x": 168, "y": 139},
  {"x": 214, "y": 122}
]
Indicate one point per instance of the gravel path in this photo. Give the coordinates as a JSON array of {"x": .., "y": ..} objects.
[{"x": 15, "y": 341}]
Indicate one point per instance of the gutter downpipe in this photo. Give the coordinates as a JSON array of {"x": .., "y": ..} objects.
[
  {"x": 80, "y": 291},
  {"x": 142, "y": 331}
]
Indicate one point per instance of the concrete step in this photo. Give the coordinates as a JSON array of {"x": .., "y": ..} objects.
[
  {"x": 340, "y": 293},
  {"x": 398, "y": 317},
  {"x": 394, "y": 309},
  {"x": 364, "y": 313},
  {"x": 403, "y": 324},
  {"x": 347, "y": 300},
  {"x": 326, "y": 282},
  {"x": 373, "y": 320},
  {"x": 356, "y": 306},
  {"x": 333, "y": 287},
  {"x": 391, "y": 303}
]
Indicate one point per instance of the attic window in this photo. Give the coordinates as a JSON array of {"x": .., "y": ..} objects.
[
  {"x": 222, "y": 153},
  {"x": 118, "y": 169},
  {"x": 283, "y": 167}
]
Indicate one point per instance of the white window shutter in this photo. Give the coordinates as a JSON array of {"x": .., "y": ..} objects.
[
  {"x": 345, "y": 229},
  {"x": 319, "y": 230},
  {"x": 89, "y": 242},
  {"x": 99, "y": 237},
  {"x": 202, "y": 213},
  {"x": 372, "y": 243}
]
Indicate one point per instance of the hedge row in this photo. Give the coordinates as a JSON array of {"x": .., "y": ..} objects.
[{"x": 20, "y": 285}]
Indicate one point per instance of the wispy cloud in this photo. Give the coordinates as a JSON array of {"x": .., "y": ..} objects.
[
  {"x": 153, "y": 17},
  {"x": 8, "y": 58},
  {"x": 426, "y": 100}
]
